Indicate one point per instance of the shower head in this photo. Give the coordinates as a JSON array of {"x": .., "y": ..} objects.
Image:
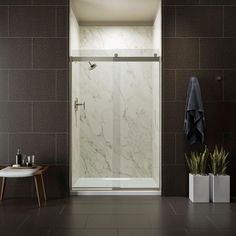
[{"x": 92, "y": 66}]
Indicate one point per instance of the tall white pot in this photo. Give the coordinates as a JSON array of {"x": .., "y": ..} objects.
[
  {"x": 219, "y": 188},
  {"x": 199, "y": 188}
]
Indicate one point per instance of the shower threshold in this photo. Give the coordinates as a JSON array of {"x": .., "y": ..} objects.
[
  {"x": 116, "y": 187},
  {"x": 122, "y": 183},
  {"x": 116, "y": 183}
]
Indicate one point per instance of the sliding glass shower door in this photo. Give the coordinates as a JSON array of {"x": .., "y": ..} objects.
[{"x": 117, "y": 117}]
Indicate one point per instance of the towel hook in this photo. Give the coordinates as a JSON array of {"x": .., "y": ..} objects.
[{"x": 218, "y": 78}]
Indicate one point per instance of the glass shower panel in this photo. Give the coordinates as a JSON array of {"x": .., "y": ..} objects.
[
  {"x": 135, "y": 123},
  {"x": 96, "y": 120},
  {"x": 117, "y": 127}
]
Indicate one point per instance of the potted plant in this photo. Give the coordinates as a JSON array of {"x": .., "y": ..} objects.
[
  {"x": 198, "y": 178},
  {"x": 219, "y": 180}
]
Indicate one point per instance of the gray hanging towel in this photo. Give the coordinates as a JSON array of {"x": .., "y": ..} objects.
[{"x": 194, "y": 122}]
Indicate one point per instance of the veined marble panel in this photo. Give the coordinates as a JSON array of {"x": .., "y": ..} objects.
[
  {"x": 116, "y": 128},
  {"x": 96, "y": 134},
  {"x": 136, "y": 119},
  {"x": 116, "y": 37}
]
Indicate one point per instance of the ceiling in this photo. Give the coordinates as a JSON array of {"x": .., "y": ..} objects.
[{"x": 115, "y": 12}]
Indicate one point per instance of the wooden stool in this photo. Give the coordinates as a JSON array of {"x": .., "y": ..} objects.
[{"x": 36, "y": 173}]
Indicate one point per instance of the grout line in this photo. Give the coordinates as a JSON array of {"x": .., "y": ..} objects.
[
  {"x": 199, "y": 53},
  {"x": 32, "y": 53},
  {"x": 187, "y": 232},
  {"x": 86, "y": 222},
  {"x": 200, "y": 5},
  {"x": 37, "y": 37},
  {"x": 35, "y": 132},
  {"x": 48, "y": 163},
  {"x": 223, "y": 21},
  {"x": 175, "y": 148},
  {"x": 49, "y": 232},
  {"x": 55, "y": 137},
  {"x": 36, "y": 69},
  {"x": 212, "y": 222},
  {"x": 196, "y": 68},
  {"x": 36, "y": 5},
  {"x": 199, "y": 69},
  {"x": 176, "y": 101},
  {"x": 20, "y": 225},
  {"x": 175, "y": 21},
  {"x": 8, "y": 21},
  {"x": 223, "y": 139},
  {"x": 194, "y": 37},
  {"x": 29, "y": 101},
  {"x": 175, "y": 85},
  {"x": 8, "y": 148},
  {"x": 175, "y": 165},
  {"x": 169, "y": 132},
  {"x": 32, "y": 188},
  {"x": 32, "y": 116},
  {"x": 228, "y": 132},
  {"x": 182, "y": 132},
  {"x": 62, "y": 209},
  {"x": 172, "y": 208},
  {"x": 223, "y": 85},
  {"x": 206, "y": 101},
  {"x": 56, "y": 30},
  {"x": 8, "y": 85},
  {"x": 56, "y": 78}
]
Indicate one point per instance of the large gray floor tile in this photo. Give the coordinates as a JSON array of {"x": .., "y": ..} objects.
[
  {"x": 118, "y": 221},
  {"x": 74, "y": 232},
  {"x": 156, "y": 232}
]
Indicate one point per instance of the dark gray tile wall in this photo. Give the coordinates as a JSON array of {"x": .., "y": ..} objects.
[
  {"x": 196, "y": 27},
  {"x": 199, "y": 38},
  {"x": 16, "y": 2},
  {"x": 230, "y": 16},
  {"x": 3, "y": 21},
  {"x": 34, "y": 89},
  {"x": 50, "y": 53},
  {"x": 186, "y": 47},
  {"x": 23, "y": 20},
  {"x": 32, "y": 85},
  {"x": 15, "y": 53},
  {"x": 3, "y": 85}
]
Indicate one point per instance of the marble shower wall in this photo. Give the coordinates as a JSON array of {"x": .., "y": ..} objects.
[
  {"x": 96, "y": 122},
  {"x": 116, "y": 128},
  {"x": 116, "y": 37}
]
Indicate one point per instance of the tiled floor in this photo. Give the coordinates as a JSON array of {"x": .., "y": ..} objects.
[{"x": 116, "y": 216}]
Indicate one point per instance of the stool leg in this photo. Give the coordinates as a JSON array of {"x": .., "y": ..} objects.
[
  {"x": 43, "y": 186},
  {"x": 2, "y": 188},
  {"x": 37, "y": 189}
]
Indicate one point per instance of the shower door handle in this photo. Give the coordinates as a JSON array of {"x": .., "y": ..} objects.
[{"x": 77, "y": 104}]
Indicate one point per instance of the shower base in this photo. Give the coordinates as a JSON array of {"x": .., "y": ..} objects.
[{"x": 120, "y": 183}]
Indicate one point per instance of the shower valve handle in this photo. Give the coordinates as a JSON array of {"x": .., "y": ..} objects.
[{"x": 77, "y": 104}]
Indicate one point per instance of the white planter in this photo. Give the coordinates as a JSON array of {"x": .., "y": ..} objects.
[
  {"x": 219, "y": 188},
  {"x": 199, "y": 188}
]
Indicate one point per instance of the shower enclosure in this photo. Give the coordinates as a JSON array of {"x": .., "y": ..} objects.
[
  {"x": 116, "y": 114},
  {"x": 115, "y": 97}
]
